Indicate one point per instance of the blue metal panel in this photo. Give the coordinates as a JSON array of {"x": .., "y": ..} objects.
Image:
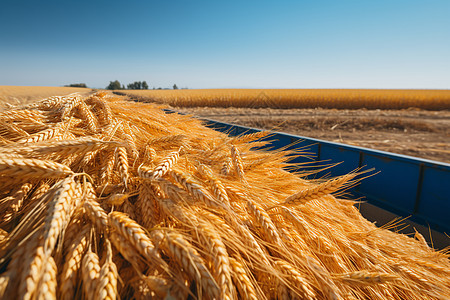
[
  {"x": 434, "y": 201},
  {"x": 348, "y": 159},
  {"x": 395, "y": 187}
]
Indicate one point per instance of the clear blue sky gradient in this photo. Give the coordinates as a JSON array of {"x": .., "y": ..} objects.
[{"x": 227, "y": 44}]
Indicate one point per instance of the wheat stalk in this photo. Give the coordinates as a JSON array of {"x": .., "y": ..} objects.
[{"x": 365, "y": 277}]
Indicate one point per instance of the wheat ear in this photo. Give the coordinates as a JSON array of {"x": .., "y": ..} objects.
[
  {"x": 262, "y": 218},
  {"x": 107, "y": 279},
  {"x": 238, "y": 164},
  {"x": 122, "y": 160},
  {"x": 179, "y": 249},
  {"x": 318, "y": 191},
  {"x": 128, "y": 251},
  {"x": 227, "y": 166},
  {"x": 90, "y": 272},
  {"x": 136, "y": 236},
  {"x": 14, "y": 115},
  {"x": 64, "y": 148},
  {"x": 298, "y": 281},
  {"x": 195, "y": 189},
  {"x": 24, "y": 168},
  {"x": 70, "y": 103},
  {"x": 88, "y": 116},
  {"x": 215, "y": 184},
  {"x": 48, "y": 283},
  {"x": 242, "y": 281},
  {"x": 160, "y": 170},
  {"x": 96, "y": 213},
  {"x": 32, "y": 266},
  {"x": 149, "y": 212},
  {"x": 68, "y": 278},
  {"x": 44, "y": 135},
  {"x": 149, "y": 154},
  {"x": 16, "y": 203},
  {"x": 212, "y": 243},
  {"x": 65, "y": 200},
  {"x": 107, "y": 168}
]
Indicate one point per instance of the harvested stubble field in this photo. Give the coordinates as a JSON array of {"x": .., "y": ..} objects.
[
  {"x": 423, "y": 133},
  {"x": 105, "y": 198}
]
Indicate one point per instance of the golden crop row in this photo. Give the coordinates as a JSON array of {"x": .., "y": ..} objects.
[{"x": 299, "y": 98}]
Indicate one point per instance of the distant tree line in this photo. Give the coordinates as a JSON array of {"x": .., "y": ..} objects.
[
  {"x": 81, "y": 85},
  {"x": 137, "y": 85}
]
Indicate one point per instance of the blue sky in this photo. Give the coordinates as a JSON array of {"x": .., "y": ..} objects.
[{"x": 227, "y": 44}]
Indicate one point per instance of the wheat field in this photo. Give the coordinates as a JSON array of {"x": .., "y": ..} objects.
[
  {"x": 103, "y": 198},
  {"x": 19, "y": 95},
  {"x": 298, "y": 98}
]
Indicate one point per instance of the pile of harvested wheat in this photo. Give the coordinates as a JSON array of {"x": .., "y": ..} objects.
[{"x": 104, "y": 198}]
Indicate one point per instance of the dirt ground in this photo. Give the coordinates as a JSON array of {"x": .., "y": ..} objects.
[{"x": 419, "y": 133}]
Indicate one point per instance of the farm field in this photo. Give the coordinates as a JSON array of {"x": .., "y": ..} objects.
[
  {"x": 15, "y": 95},
  {"x": 416, "y": 132},
  {"x": 299, "y": 98}
]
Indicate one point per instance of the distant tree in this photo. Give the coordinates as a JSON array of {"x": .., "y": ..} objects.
[
  {"x": 138, "y": 85},
  {"x": 114, "y": 85},
  {"x": 175, "y": 87}
]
